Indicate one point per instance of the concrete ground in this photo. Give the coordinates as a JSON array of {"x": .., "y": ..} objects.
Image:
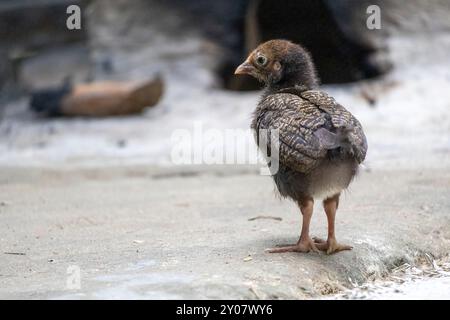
[{"x": 151, "y": 232}]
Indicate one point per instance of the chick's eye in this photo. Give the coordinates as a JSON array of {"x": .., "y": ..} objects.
[{"x": 261, "y": 60}]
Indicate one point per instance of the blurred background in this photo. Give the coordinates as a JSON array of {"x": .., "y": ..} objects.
[{"x": 390, "y": 76}]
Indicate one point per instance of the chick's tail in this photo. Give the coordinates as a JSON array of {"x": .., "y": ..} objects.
[{"x": 339, "y": 143}]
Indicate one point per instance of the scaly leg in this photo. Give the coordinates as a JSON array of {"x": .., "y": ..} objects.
[
  {"x": 331, "y": 245},
  {"x": 305, "y": 243}
]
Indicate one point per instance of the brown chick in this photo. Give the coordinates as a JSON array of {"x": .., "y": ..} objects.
[{"x": 321, "y": 144}]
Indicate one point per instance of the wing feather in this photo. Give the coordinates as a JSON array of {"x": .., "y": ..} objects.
[
  {"x": 341, "y": 118},
  {"x": 298, "y": 118}
]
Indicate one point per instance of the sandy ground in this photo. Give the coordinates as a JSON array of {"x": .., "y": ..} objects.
[{"x": 147, "y": 232}]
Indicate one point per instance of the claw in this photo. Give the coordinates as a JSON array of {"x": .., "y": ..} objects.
[
  {"x": 318, "y": 240},
  {"x": 338, "y": 247},
  {"x": 331, "y": 245}
]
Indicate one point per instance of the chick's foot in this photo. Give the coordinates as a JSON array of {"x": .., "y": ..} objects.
[
  {"x": 331, "y": 245},
  {"x": 303, "y": 245}
]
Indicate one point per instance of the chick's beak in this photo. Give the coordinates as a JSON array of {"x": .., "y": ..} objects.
[{"x": 245, "y": 68}]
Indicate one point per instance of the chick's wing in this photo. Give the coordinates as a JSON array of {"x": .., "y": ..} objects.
[{"x": 342, "y": 120}]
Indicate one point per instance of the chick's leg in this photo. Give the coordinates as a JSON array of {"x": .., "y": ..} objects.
[
  {"x": 305, "y": 243},
  {"x": 330, "y": 206}
]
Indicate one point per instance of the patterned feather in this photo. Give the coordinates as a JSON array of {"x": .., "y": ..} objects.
[{"x": 306, "y": 121}]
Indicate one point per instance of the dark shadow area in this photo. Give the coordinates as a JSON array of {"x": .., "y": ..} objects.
[{"x": 312, "y": 24}]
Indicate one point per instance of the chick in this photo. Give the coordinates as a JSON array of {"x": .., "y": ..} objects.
[{"x": 321, "y": 144}]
